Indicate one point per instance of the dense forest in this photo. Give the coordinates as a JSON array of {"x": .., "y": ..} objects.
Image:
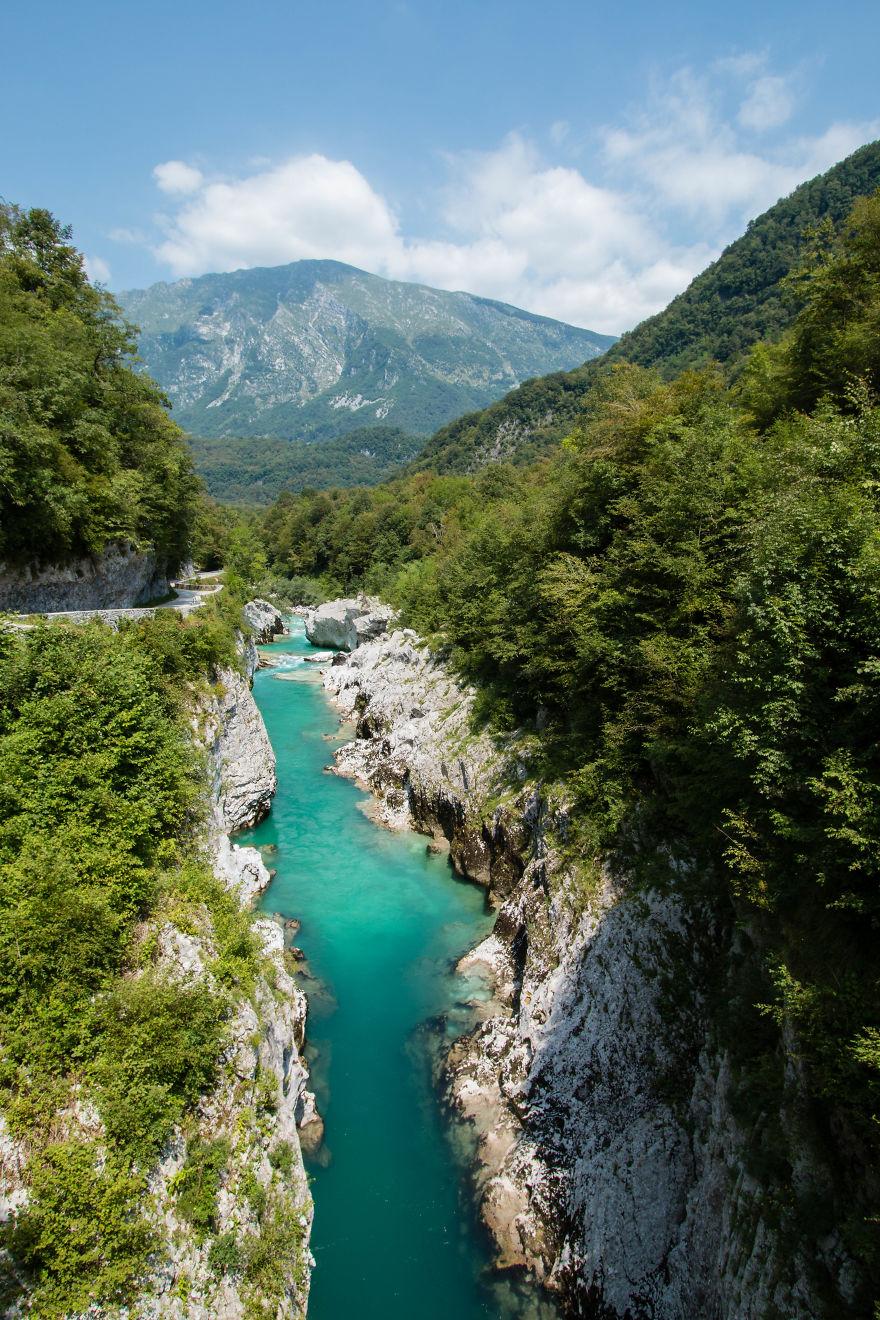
[
  {"x": 685, "y": 600},
  {"x": 741, "y": 299},
  {"x": 255, "y": 469},
  {"x": 88, "y": 453}
]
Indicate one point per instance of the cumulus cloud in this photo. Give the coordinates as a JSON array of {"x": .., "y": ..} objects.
[
  {"x": 600, "y": 246},
  {"x": 177, "y": 178},
  {"x": 307, "y": 207}
]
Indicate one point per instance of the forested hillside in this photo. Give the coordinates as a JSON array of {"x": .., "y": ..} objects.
[
  {"x": 88, "y": 453},
  {"x": 255, "y": 471},
  {"x": 686, "y": 603},
  {"x": 738, "y": 301}
]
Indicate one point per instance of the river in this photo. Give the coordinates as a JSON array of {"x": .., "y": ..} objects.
[{"x": 383, "y": 923}]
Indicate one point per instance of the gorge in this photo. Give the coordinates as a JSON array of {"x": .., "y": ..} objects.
[{"x": 382, "y": 923}]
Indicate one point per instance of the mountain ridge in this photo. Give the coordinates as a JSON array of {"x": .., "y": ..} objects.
[{"x": 312, "y": 350}]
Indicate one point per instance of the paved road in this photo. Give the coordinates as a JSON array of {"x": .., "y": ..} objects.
[{"x": 186, "y": 600}]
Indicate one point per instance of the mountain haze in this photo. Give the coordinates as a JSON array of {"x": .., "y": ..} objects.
[
  {"x": 316, "y": 349},
  {"x": 733, "y": 304}
]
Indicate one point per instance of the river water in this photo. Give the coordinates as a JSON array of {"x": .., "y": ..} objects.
[{"x": 383, "y": 922}]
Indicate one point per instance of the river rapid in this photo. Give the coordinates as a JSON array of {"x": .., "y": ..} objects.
[{"x": 383, "y": 922}]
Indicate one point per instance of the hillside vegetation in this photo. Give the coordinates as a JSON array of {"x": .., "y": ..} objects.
[
  {"x": 738, "y": 301},
  {"x": 88, "y": 453},
  {"x": 101, "y": 799},
  {"x": 685, "y": 600},
  {"x": 254, "y": 470}
]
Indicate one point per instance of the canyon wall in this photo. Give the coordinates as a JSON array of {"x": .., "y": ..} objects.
[
  {"x": 260, "y": 1104},
  {"x": 612, "y": 1153}
]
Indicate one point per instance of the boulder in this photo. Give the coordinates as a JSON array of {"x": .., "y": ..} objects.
[
  {"x": 265, "y": 621},
  {"x": 346, "y": 624}
]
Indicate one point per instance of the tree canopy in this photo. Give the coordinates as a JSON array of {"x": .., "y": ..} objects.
[{"x": 88, "y": 453}]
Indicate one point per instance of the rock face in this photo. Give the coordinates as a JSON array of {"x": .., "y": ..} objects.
[
  {"x": 345, "y": 624},
  {"x": 119, "y": 577},
  {"x": 241, "y": 760},
  {"x": 609, "y": 1157},
  {"x": 265, "y": 621}
]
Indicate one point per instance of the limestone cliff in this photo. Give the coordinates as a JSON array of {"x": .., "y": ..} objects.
[
  {"x": 241, "y": 761},
  {"x": 345, "y": 624},
  {"x": 264, "y": 620},
  {"x": 120, "y": 576},
  {"x": 611, "y": 1156}
]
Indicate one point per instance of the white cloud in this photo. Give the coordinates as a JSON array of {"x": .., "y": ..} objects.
[
  {"x": 308, "y": 207},
  {"x": 673, "y": 185},
  {"x": 177, "y": 178},
  {"x": 690, "y": 155},
  {"x": 768, "y": 105},
  {"x": 97, "y": 270}
]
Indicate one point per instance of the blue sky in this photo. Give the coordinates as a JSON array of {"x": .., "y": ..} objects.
[{"x": 581, "y": 161}]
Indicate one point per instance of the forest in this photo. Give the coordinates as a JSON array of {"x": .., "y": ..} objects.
[{"x": 88, "y": 453}]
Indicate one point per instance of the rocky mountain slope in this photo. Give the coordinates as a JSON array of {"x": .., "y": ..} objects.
[
  {"x": 733, "y": 304},
  {"x": 613, "y": 1154},
  {"x": 316, "y": 349}
]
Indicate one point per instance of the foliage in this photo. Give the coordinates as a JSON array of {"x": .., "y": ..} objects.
[
  {"x": 101, "y": 794},
  {"x": 160, "y": 1042},
  {"x": 82, "y": 1234},
  {"x": 832, "y": 349},
  {"x": 197, "y": 1185},
  {"x": 88, "y": 454},
  {"x": 268, "y": 1254},
  {"x": 225, "y": 1254},
  {"x": 255, "y": 469}
]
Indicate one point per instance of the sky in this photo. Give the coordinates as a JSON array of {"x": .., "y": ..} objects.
[{"x": 582, "y": 161}]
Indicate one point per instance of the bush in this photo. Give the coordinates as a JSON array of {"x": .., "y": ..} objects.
[
  {"x": 198, "y": 1183},
  {"x": 82, "y": 1234},
  {"x": 160, "y": 1042}
]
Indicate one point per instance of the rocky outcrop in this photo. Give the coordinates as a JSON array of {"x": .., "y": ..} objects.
[
  {"x": 611, "y": 1153},
  {"x": 121, "y": 576},
  {"x": 346, "y": 624},
  {"x": 416, "y": 751},
  {"x": 241, "y": 761},
  {"x": 265, "y": 621}
]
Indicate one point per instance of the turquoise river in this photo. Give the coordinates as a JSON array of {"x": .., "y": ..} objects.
[{"x": 382, "y": 925}]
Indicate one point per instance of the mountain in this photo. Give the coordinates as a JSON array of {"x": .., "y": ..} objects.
[
  {"x": 733, "y": 304},
  {"x": 316, "y": 349}
]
